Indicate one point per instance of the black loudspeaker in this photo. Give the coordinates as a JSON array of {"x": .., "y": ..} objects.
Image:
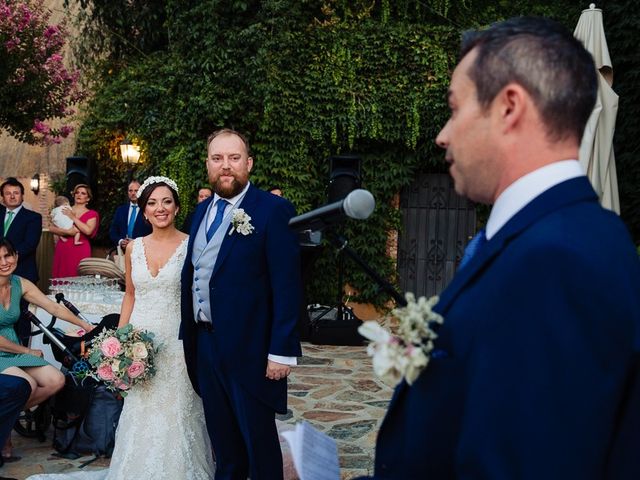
[
  {"x": 344, "y": 176},
  {"x": 79, "y": 170}
]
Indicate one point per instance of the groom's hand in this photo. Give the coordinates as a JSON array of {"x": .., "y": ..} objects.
[{"x": 276, "y": 371}]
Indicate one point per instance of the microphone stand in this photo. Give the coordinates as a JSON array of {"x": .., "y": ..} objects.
[{"x": 341, "y": 244}]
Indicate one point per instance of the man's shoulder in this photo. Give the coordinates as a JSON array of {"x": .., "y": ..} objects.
[
  {"x": 123, "y": 207},
  {"x": 30, "y": 213}
]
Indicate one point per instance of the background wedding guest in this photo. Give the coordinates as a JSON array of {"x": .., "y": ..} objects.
[
  {"x": 276, "y": 190},
  {"x": 536, "y": 369},
  {"x": 23, "y": 227},
  {"x": 16, "y": 359},
  {"x": 127, "y": 222},
  {"x": 67, "y": 255},
  {"x": 203, "y": 194}
]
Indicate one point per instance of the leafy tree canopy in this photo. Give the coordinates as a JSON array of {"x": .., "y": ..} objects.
[{"x": 35, "y": 85}]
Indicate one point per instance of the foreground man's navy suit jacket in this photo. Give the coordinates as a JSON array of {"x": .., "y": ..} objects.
[{"x": 538, "y": 375}]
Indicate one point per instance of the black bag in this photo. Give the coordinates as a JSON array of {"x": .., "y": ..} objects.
[
  {"x": 86, "y": 415},
  {"x": 328, "y": 327}
]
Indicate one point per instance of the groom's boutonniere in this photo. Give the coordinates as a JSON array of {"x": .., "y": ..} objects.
[
  {"x": 407, "y": 353},
  {"x": 241, "y": 222}
]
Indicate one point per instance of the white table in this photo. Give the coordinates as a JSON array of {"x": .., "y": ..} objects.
[{"x": 93, "y": 311}]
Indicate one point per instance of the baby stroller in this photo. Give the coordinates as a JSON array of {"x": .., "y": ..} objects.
[{"x": 71, "y": 408}]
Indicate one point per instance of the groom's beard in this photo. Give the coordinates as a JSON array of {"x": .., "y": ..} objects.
[{"x": 229, "y": 190}]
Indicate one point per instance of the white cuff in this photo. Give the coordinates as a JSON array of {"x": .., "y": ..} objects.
[{"x": 283, "y": 360}]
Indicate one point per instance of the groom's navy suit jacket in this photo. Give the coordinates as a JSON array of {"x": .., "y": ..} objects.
[
  {"x": 536, "y": 371},
  {"x": 255, "y": 292},
  {"x": 24, "y": 234}
]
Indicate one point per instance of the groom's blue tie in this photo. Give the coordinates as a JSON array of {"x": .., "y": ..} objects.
[
  {"x": 473, "y": 247},
  {"x": 221, "y": 205}
]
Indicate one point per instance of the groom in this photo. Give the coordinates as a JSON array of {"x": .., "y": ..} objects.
[{"x": 240, "y": 302}]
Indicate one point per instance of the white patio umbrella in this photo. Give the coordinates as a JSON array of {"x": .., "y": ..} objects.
[{"x": 596, "y": 150}]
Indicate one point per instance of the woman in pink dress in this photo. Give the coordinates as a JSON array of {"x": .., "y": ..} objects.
[{"x": 68, "y": 254}]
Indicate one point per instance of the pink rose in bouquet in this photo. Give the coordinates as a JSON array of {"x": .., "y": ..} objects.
[
  {"x": 110, "y": 347},
  {"x": 105, "y": 372},
  {"x": 136, "y": 369}
]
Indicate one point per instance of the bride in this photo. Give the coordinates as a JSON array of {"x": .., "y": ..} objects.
[{"x": 162, "y": 432}]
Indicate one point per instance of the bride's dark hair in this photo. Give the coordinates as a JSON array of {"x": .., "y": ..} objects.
[{"x": 143, "y": 199}]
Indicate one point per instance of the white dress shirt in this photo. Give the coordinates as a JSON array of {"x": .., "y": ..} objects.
[{"x": 521, "y": 192}]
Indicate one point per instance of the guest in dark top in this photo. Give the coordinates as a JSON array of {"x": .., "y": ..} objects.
[
  {"x": 127, "y": 222},
  {"x": 23, "y": 228},
  {"x": 203, "y": 194}
]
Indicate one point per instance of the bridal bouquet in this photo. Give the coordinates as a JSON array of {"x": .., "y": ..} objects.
[
  {"x": 407, "y": 353},
  {"x": 123, "y": 358}
]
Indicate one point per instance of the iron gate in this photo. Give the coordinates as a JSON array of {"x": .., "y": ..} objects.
[{"x": 437, "y": 223}]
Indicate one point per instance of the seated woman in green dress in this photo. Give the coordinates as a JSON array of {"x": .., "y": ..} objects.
[{"x": 15, "y": 359}]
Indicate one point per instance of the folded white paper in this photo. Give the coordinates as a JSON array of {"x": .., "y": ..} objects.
[{"x": 315, "y": 454}]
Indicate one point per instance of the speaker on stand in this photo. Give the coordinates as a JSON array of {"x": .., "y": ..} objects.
[
  {"x": 345, "y": 175},
  {"x": 337, "y": 325}
]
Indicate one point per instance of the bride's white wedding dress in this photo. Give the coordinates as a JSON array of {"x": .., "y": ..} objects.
[{"x": 162, "y": 432}]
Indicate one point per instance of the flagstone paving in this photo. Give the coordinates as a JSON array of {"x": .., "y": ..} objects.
[{"x": 333, "y": 388}]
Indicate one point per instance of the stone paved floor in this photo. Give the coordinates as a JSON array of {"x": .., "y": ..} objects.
[{"x": 333, "y": 388}]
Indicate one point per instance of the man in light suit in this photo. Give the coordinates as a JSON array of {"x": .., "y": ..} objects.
[
  {"x": 240, "y": 302},
  {"x": 23, "y": 228},
  {"x": 535, "y": 373},
  {"x": 123, "y": 227}
]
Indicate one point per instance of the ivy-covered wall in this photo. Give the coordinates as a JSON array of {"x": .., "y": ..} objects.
[{"x": 305, "y": 79}]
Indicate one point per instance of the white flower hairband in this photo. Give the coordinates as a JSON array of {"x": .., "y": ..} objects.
[{"x": 158, "y": 179}]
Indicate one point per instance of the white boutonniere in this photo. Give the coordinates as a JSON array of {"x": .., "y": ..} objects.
[
  {"x": 406, "y": 354},
  {"x": 241, "y": 222}
]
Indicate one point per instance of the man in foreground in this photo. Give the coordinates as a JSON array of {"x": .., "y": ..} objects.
[{"x": 536, "y": 372}]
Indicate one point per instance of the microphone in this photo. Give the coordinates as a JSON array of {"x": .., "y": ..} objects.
[
  {"x": 60, "y": 298},
  {"x": 359, "y": 204}
]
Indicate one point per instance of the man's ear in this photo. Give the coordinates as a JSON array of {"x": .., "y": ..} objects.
[
  {"x": 512, "y": 103},
  {"x": 249, "y": 163}
]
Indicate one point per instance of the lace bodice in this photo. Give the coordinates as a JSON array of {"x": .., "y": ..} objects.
[{"x": 159, "y": 294}]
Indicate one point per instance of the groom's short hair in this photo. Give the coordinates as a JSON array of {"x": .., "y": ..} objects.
[{"x": 229, "y": 131}]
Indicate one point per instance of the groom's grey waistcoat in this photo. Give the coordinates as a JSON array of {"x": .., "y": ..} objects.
[{"x": 204, "y": 259}]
